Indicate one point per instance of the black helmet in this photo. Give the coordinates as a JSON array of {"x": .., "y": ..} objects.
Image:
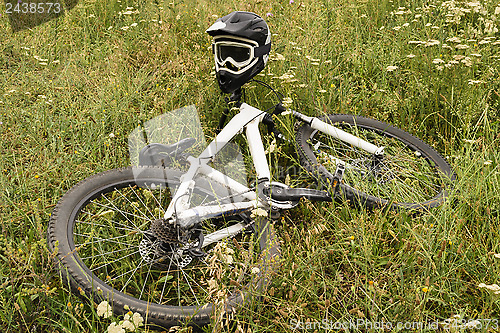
[{"x": 242, "y": 42}]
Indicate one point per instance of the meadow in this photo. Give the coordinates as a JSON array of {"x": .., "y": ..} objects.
[{"x": 72, "y": 89}]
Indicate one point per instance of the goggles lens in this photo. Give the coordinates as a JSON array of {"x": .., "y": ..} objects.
[{"x": 237, "y": 54}]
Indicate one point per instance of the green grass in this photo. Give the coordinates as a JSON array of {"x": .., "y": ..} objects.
[{"x": 68, "y": 84}]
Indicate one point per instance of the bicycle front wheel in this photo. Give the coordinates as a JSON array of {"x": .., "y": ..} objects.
[
  {"x": 411, "y": 173},
  {"x": 111, "y": 246}
]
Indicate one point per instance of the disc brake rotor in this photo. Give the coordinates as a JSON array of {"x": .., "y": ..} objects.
[{"x": 163, "y": 255}]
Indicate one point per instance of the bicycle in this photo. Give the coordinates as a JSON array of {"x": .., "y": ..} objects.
[{"x": 187, "y": 245}]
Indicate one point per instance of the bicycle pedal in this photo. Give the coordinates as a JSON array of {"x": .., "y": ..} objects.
[{"x": 338, "y": 175}]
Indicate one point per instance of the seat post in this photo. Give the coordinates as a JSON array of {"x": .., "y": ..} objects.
[{"x": 234, "y": 98}]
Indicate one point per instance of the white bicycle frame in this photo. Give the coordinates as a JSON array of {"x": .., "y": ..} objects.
[{"x": 247, "y": 119}]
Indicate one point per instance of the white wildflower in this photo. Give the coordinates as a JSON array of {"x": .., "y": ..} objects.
[
  {"x": 115, "y": 328},
  {"x": 458, "y": 57},
  {"x": 495, "y": 288},
  {"x": 229, "y": 259},
  {"x": 438, "y": 61},
  {"x": 484, "y": 41},
  {"x": 497, "y": 10},
  {"x": 497, "y": 255},
  {"x": 432, "y": 42},
  {"x": 488, "y": 162},
  {"x": 111, "y": 135},
  {"x": 322, "y": 91},
  {"x": 410, "y": 56},
  {"x": 287, "y": 102},
  {"x": 439, "y": 68},
  {"x": 124, "y": 28},
  {"x": 312, "y": 59},
  {"x": 277, "y": 56},
  {"x": 258, "y": 212},
  {"x": 428, "y": 24},
  {"x": 418, "y": 42},
  {"x": 128, "y": 12},
  {"x": 212, "y": 284},
  {"x": 133, "y": 24},
  {"x": 391, "y": 68},
  {"x": 272, "y": 147},
  {"x": 454, "y": 40},
  {"x": 128, "y": 325},
  {"x": 461, "y": 47},
  {"x": 473, "y": 4},
  {"x": 467, "y": 62},
  {"x": 287, "y": 77},
  {"x": 490, "y": 27},
  {"x": 477, "y": 55},
  {"x": 255, "y": 270},
  {"x": 132, "y": 321},
  {"x": 396, "y": 28},
  {"x": 137, "y": 319},
  {"x": 406, "y": 25},
  {"x": 471, "y": 82},
  {"x": 104, "y": 310}
]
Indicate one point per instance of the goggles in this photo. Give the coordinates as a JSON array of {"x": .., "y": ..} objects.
[{"x": 240, "y": 55}]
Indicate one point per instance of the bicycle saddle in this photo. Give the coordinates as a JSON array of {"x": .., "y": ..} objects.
[{"x": 158, "y": 154}]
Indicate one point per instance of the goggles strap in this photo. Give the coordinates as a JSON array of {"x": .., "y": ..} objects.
[{"x": 262, "y": 50}]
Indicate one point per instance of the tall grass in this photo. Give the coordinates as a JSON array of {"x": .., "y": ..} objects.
[{"x": 106, "y": 66}]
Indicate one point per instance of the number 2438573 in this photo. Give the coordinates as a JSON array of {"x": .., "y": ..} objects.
[{"x": 33, "y": 8}]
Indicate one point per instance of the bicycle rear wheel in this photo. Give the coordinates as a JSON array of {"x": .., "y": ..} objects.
[
  {"x": 411, "y": 174},
  {"x": 110, "y": 246}
]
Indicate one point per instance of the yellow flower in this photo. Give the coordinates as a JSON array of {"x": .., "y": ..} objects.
[{"x": 425, "y": 289}]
